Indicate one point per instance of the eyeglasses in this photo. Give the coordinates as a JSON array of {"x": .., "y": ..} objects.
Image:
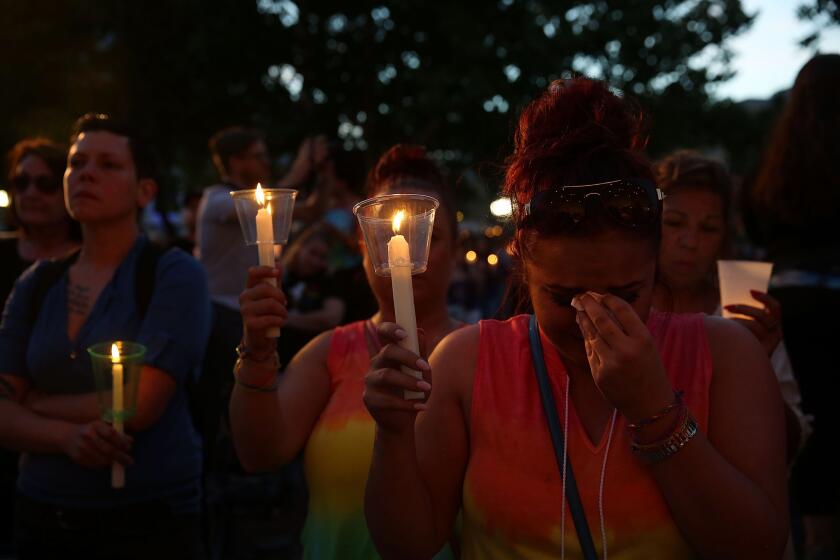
[
  {"x": 47, "y": 184},
  {"x": 631, "y": 203}
]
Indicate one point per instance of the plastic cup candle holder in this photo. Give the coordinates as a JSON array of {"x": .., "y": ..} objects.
[
  {"x": 397, "y": 229},
  {"x": 265, "y": 216},
  {"x": 116, "y": 373}
]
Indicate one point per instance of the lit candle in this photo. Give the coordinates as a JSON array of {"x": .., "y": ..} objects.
[
  {"x": 265, "y": 243},
  {"x": 117, "y": 406},
  {"x": 399, "y": 262}
]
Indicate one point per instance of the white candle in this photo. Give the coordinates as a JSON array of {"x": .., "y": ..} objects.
[
  {"x": 265, "y": 243},
  {"x": 117, "y": 405},
  {"x": 399, "y": 262}
]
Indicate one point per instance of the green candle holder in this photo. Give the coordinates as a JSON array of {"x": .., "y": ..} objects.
[{"x": 116, "y": 372}]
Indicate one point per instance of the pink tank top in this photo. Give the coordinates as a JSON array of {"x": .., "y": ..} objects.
[{"x": 512, "y": 487}]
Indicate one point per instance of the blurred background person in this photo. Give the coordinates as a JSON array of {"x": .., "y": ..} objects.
[
  {"x": 44, "y": 230},
  {"x": 791, "y": 209},
  {"x": 698, "y": 224},
  {"x": 314, "y": 298},
  {"x": 334, "y": 182},
  {"x": 189, "y": 216}
]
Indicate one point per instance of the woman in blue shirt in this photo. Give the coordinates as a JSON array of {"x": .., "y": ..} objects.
[{"x": 48, "y": 404}]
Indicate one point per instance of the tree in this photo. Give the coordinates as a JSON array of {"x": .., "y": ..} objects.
[
  {"x": 823, "y": 13},
  {"x": 448, "y": 75}
]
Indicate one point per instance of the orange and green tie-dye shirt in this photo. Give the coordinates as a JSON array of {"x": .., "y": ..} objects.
[
  {"x": 512, "y": 486},
  {"x": 338, "y": 456}
]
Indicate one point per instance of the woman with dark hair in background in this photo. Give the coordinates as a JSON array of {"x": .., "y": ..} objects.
[
  {"x": 316, "y": 405},
  {"x": 670, "y": 423},
  {"x": 49, "y": 409},
  {"x": 791, "y": 209},
  {"x": 45, "y": 230}
]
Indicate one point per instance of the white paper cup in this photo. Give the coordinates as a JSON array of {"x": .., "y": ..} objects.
[{"x": 737, "y": 278}]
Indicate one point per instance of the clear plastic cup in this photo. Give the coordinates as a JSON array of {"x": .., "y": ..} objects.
[{"x": 377, "y": 218}]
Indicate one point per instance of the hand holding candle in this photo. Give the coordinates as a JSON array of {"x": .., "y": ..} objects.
[
  {"x": 118, "y": 406},
  {"x": 265, "y": 216},
  {"x": 398, "y": 231}
]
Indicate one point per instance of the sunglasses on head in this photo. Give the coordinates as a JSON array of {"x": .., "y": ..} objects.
[
  {"x": 631, "y": 203},
  {"x": 47, "y": 184}
]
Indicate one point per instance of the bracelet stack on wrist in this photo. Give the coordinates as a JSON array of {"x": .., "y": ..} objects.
[
  {"x": 270, "y": 363},
  {"x": 681, "y": 432}
]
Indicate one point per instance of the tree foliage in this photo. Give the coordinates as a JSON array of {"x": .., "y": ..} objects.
[{"x": 449, "y": 75}]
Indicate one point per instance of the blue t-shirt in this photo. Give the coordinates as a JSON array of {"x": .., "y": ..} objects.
[{"x": 175, "y": 328}]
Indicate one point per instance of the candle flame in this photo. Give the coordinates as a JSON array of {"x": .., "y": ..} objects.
[
  {"x": 260, "y": 195},
  {"x": 115, "y": 354},
  {"x": 398, "y": 219}
]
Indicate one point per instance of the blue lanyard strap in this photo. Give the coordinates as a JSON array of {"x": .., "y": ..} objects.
[{"x": 550, "y": 409}]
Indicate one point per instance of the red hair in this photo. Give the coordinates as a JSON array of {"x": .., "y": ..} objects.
[
  {"x": 407, "y": 167},
  {"x": 576, "y": 132}
]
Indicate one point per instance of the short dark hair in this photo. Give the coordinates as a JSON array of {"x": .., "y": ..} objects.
[
  {"x": 141, "y": 152},
  {"x": 230, "y": 142}
]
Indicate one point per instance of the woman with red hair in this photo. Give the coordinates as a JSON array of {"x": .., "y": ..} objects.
[{"x": 594, "y": 426}]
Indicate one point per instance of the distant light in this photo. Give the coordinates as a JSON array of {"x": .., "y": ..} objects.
[
  {"x": 459, "y": 216},
  {"x": 4, "y": 199},
  {"x": 492, "y": 259},
  {"x": 501, "y": 208},
  {"x": 471, "y": 256},
  {"x": 497, "y": 231},
  {"x": 489, "y": 232}
]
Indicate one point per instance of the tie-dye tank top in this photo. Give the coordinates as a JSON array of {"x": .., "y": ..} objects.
[
  {"x": 512, "y": 486},
  {"x": 338, "y": 456}
]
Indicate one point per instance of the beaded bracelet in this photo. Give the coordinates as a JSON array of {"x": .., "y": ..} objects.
[
  {"x": 242, "y": 356},
  {"x": 678, "y": 401},
  {"x": 656, "y": 452}
]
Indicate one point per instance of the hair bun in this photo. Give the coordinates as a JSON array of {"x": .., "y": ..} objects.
[
  {"x": 401, "y": 160},
  {"x": 577, "y": 131}
]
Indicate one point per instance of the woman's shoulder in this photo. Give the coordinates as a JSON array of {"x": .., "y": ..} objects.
[
  {"x": 463, "y": 346},
  {"x": 729, "y": 340}
]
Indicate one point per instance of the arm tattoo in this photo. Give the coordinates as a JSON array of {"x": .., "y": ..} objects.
[{"x": 78, "y": 299}]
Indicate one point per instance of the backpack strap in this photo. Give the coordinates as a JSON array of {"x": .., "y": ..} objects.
[
  {"x": 144, "y": 279},
  {"x": 145, "y": 274},
  {"x": 46, "y": 277}
]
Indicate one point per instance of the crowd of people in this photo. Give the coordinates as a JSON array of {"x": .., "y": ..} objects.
[{"x": 599, "y": 406}]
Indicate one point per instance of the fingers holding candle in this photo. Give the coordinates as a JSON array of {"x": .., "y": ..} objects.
[
  {"x": 263, "y": 307},
  {"x": 258, "y": 275},
  {"x": 387, "y": 383}
]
